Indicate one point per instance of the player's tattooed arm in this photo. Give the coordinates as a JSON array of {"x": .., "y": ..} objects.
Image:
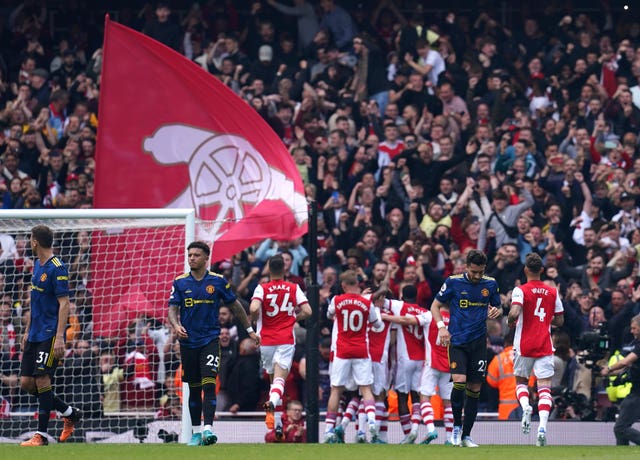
[{"x": 514, "y": 314}]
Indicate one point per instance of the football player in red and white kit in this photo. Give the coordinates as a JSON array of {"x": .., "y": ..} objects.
[
  {"x": 410, "y": 353},
  {"x": 435, "y": 371},
  {"x": 535, "y": 307},
  {"x": 379, "y": 341},
  {"x": 273, "y": 307},
  {"x": 350, "y": 313},
  {"x": 436, "y": 374}
]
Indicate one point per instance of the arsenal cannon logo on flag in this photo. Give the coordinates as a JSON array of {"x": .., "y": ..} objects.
[{"x": 172, "y": 135}]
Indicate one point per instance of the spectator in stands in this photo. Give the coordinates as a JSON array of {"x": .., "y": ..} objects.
[
  {"x": 228, "y": 356},
  {"x": 81, "y": 378},
  {"x": 293, "y": 423},
  {"x": 244, "y": 383},
  {"x": 9, "y": 362},
  {"x": 112, "y": 378},
  {"x": 162, "y": 28},
  {"x": 307, "y": 20},
  {"x": 337, "y": 21}
]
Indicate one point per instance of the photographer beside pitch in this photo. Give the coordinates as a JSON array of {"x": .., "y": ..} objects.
[
  {"x": 630, "y": 407},
  {"x": 535, "y": 307}
]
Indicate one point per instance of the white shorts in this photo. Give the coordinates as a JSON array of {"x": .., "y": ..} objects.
[
  {"x": 282, "y": 355},
  {"x": 345, "y": 372},
  {"x": 542, "y": 367},
  {"x": 432, "y": 378},
  {"x": 408, "y": 375},
  {"x": 381, "y": 380}
]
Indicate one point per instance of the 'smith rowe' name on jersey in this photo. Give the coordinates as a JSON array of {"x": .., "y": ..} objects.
[
  {"x": 468, "y": 306},
  {"x": 351, "y": 313}
]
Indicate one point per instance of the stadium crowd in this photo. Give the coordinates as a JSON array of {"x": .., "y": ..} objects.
[{"x": 420, "y": 136}]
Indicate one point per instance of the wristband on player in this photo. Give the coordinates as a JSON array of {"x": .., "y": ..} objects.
[
  {"x": 440, "y": 324},
  {"x": 250, "y": 330}
]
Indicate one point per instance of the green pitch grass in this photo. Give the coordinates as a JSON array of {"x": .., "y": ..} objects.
[{"x": 306, "y": 452}]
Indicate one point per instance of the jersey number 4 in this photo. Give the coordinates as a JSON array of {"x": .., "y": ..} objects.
[
  {"x": 539, "y": 311},
  {"x": 275, "y": 308}
]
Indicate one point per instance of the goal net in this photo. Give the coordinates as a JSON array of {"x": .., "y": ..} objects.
[{"x": 117, "y": 369}]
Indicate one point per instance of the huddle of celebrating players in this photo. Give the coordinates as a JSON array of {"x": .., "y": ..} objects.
[{"x": 441, "y": 349}]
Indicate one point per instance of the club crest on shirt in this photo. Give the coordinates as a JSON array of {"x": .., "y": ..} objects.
[
  {"x": 454, "y": 364},
  {"x": 485, "y": 292},
  {"x": 210, "y": 289},
  {"x": 43, "y": 277}
]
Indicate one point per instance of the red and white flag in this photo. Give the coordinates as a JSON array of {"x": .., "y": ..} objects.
[{"x": 172, "y": 135}]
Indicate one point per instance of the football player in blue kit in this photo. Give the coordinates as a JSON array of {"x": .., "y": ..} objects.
[
  {"x": 43, "y": 340},
  {"x": 472, "y": 298},
  {"x": 194, "y": 304}
]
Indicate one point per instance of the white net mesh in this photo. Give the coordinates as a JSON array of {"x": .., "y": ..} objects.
[{"x": 116, "y": 370}]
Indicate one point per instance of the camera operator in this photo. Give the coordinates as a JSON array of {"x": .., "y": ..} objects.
[{"x": 630, "y": 407}]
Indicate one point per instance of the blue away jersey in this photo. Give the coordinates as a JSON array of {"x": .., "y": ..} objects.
[
  {"x": 468, "y": 306},
  {"x": 48, "y": 282},
  {"x": 199, "y": 303}
]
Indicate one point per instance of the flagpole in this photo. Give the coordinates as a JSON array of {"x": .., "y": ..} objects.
[{"x": 312, "y": 339}]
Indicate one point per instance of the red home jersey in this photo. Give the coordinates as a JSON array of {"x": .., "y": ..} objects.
[
  {"x": 439, "y": 353},
  {"x": 379, "y": 338},
  {"x": 351, "y": 313},
  {"x": 533, "y": 330},
  {"x": 411, "y": 339},
  {"x": 279, "y": 300}
]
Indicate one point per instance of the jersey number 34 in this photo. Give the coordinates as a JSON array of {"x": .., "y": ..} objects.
[{"x": 276, "y": 307}]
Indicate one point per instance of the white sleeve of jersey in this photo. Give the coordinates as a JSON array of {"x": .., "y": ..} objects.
[
  {"x": 517, "y": 296},
  {"x": 396, "y": 306},
  {"x": 374, "y": 313},
  {"x": 331, "y": 309},
  {"x": 300, "y": 297},
  {"x": 425, "y": 319},
  {"x": 559, "y": 307},
  {"x": 258, "y": 293},
  {"x": 374, "y": 317}
]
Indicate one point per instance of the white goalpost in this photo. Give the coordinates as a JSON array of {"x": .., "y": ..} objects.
[{"x": 117, "y": 369}]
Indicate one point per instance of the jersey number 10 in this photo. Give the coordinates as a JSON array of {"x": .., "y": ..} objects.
[{"x": 352, "y": 320}]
